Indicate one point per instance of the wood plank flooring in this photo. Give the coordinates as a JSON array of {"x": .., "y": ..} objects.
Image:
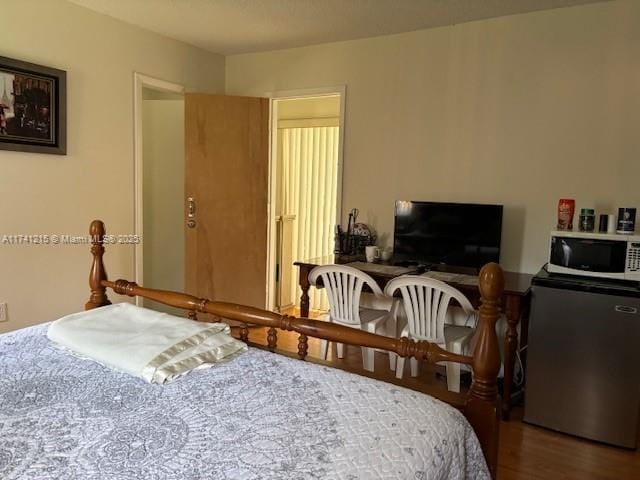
[{"x": 526, "y": 452}]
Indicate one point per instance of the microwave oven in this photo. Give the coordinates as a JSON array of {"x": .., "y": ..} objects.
[{"x": 591, "y": 254}]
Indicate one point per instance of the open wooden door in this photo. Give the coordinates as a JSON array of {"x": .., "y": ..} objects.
[{"x": 226, "y": 190}]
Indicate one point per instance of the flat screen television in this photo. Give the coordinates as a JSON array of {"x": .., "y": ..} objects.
[{"x": 456, "y": 234}]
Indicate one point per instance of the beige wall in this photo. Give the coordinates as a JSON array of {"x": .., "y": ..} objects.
[
  {"x": 163, "y": 179},
  {"x": 61, "y": 194},
  {"x": 520, "y": 110}
]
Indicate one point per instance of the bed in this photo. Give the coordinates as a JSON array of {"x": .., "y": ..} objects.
[{"x": 262, "y": 415}]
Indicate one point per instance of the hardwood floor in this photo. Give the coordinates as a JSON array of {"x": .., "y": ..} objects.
[
  {"x": 526, "y": 452},
  {"x": 529, "y": 452}
]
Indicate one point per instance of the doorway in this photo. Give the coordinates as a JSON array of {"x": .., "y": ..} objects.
[
  {"x": 306, "y": 187},
  {"x": 159, "y": 159},
  {"x": 208, "y": 235},
  {"x": 220, "y": 177}
]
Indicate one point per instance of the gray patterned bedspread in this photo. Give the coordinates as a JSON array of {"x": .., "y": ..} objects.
[{"x": 261, "y": 416}]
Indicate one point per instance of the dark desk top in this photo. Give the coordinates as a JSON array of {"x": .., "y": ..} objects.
[{"x": 515, "y": 283}]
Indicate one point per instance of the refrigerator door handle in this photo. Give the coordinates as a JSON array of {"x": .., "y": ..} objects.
[{"x": 626, "y": 309}]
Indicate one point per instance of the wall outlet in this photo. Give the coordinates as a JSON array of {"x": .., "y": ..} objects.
[{"x": 4, "y": 315}]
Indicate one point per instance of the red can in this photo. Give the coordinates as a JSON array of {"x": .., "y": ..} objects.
[{"x": 566, "y": 209}]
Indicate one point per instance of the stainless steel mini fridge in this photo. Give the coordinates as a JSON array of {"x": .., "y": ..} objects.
[{"x": 583, "y": 360}]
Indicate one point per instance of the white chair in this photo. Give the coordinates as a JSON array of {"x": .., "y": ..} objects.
[
  {"x": 426, "y": 306},
  {"x": 343, "y": 285}
]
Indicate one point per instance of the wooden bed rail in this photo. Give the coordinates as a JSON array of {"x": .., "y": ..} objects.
[
  {"x": 481, "y": 405},
  {"x": 304, "y": 326}
]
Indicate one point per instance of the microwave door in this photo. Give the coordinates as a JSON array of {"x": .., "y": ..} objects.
[{"x": 587, "y": 255}]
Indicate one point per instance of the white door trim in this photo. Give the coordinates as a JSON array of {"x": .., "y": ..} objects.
[
  {"x": 141, "y": 81},
  {"x": 273, "y": 131}
]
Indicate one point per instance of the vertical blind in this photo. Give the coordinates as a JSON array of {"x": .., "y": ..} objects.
[{"x": 309, "y": 181}]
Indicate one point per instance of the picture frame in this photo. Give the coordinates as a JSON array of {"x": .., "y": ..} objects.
[{"x": 33, "y": 107}]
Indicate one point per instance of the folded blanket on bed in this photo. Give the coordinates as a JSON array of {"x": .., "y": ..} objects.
[{"x": 154, "y": 346}]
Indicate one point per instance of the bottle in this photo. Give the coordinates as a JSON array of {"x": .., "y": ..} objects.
[
  {"x": 587, "y": 221},
  {"x": 566, "y": 209}
]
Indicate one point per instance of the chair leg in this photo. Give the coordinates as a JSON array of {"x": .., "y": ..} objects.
[
  {"x": 392, "y": 327},
  {"x": 453, "y": 369},
  {"x": 392, "y": 360},
  {"x": 400, "y": 367},
  {"x": 453, "y": 376},
  {"x": 414, "y": 367},
  {"x": 340, "y": 349},
  {"x": 324, "y": 349},
  {"x": 368, "y": 358}
]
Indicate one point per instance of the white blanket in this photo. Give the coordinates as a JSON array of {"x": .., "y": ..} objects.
[{"x": 154, "y": 346}]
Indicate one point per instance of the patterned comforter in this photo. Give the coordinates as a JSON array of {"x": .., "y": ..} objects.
[{"x": 261, "y": 416}]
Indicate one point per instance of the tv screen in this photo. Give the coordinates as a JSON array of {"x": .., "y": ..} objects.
[{"x": 457, "y": 234}]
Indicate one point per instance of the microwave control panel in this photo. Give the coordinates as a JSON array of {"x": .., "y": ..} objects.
[{"x": 633, "y": 257}]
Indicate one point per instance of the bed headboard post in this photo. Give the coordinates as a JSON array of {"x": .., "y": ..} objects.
[
  {"x": 483, "y": 404},
  {"x": 98, "y": 273}
]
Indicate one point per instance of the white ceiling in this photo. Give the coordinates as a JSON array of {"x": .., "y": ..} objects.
[{"x": 240, "y": 26}]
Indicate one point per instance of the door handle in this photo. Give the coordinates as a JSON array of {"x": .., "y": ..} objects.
[
  {"x": 625, "y": 309},
  {"x": 191, "y": 212}
]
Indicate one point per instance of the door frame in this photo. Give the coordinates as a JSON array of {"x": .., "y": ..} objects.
[
  {"x": 140, "y": 82},
  {"x": 340, "y": 90}
]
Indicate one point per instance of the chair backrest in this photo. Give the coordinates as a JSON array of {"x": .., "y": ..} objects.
[
  {"x": 426, "y": 301},
  {"x": 344, "y": 287}
]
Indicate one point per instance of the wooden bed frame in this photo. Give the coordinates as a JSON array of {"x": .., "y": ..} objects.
[{"x": 480, "y": 405}]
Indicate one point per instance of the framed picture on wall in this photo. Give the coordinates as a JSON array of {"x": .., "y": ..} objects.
[{"x": 33, "y": 107}]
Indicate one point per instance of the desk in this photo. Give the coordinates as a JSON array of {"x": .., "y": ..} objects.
[{"x": 515, "y": 301}]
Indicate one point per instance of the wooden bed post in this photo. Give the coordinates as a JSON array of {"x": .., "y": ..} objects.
[
  {"x": 98, "y": 296},
  {"x": 483, "y": 404}
]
